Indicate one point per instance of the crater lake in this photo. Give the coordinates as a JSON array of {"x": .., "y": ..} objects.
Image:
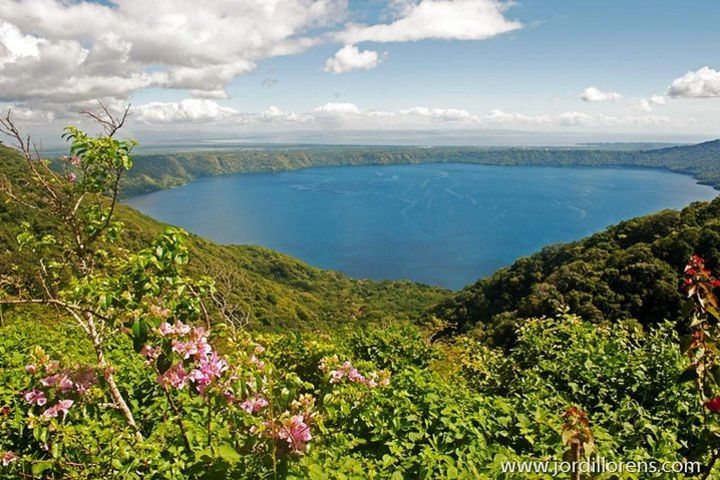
[{"x": 441, "y": 224}]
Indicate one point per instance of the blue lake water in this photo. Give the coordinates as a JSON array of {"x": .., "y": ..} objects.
[{"x": 441, "y": 224}]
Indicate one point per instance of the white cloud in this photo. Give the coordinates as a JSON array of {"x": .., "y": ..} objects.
[
  {"x": 698, "y": 84},
  {"x": 647, "y": 104},
  {"x": 349, "y": 116},
  {"x": 338, "y": 108},
  {"x": 572, "y": 119},
  {"x": 444, "y": 114},
  {"x": 594, "y": 94},
  {"x": 438, "y": 19},
  {"x": 350, "y": 58},
  {"x": 57, "y": 54},
  {"x": 189, "y": 110}
]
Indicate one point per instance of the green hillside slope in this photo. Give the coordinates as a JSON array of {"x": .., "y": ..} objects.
[{"x": 270, "y": 289}]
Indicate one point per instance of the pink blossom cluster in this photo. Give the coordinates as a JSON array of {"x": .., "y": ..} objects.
[
  {"x": 339, "y": 371},
  {"x": 296, "y": 432},
  {"x": 201, "y": 364},
  {"x": 57, "y": 383},
  {"x": 254, "y": 404}
]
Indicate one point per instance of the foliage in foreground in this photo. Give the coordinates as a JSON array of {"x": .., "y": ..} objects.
[{"x": 449, "y": 412}]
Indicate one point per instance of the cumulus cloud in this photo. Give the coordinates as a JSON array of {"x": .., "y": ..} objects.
[
  {"x": 191, "y": 110},
  {"x": 59, "y": 53},
  {"x": 438, "y": 19},
  {"x": 338, "y": 108},
  {"x": 574, "y": 119},
  {"x": 594, "y": 94},
  {"x": 350, "y": 58},
  {"x": 701, "y": 83},
  {"x": 338, "y": 116},
  {"x": 647, "y": 104}
]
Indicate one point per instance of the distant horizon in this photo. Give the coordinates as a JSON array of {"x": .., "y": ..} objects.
[{"x": 399, "y": 139}]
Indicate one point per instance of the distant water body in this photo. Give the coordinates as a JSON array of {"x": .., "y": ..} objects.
[{"x": 441, "y": 224}]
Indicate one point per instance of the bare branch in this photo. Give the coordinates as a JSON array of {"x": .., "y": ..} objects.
[{"x": 110, "y": 123}]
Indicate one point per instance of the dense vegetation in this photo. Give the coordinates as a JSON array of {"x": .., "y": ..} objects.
[
  {"x": 121, "y": 358},
  {"x": 160, "y": 171},
  {"x": 628, "y": 271}
]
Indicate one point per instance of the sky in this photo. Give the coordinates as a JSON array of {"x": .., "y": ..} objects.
[{"x": 367, "y": 71}]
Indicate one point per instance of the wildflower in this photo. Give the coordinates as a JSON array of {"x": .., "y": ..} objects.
[
  {"x": 31, "y": 369},
  {"x": 254, "y": 404},
  {"x": 5, "y": 411},
  {"x": 50, "y": 381},
  {"x": 210, "y": 368},
  {"x": 150, "y": 353},
  {"x": 184, "y": 349},
  {"x": 355, "y": 376},
  {"x": 175, "y": 376},
  {"x": 713, "y": 405},
  {"x": 61, "y": 407},
  {"x": 35, "y": 397},
  {"x": 336, "y": 376},
  {"x": 165, "y": 329},
  {"x": 65, "y": 384},
  {"x": 71, "y": 177},
  {"x": 296, "y": 433},
  {"x": 8, "y": 457},
  {"x": 75, "y": 160}
]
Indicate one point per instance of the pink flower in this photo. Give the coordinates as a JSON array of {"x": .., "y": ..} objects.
[
  {"x": 184, "y": 349},
  {"x": 50, "y": 381},
  {"x": 165, "y": 329},
  {"x": 31, "y": 369},
  {"x": 259, "y": 350},
  {"x": 35, "y": 397},
  {"x": 336, "y": 376},
  {"x": 296, "y": 433},
  {"x": 355, "y": 376},
  {"x": 65, "y": 384},
  {"x": 176, "y": 376},
  {"x": 61, "y": 407},
  {"x": 8, "y": 457},
  {"x": 209, "y": 369},
  {"x": 75, "y": 160},
  {"x": 71, "y": 177},
  {"x": 149, "y": 352},
  {"x": 254, "y": 404}
]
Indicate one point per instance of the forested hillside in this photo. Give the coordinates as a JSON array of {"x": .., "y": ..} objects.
[
  {"x": 629, "y": 271},
  {"x": 270, "y": 290},
  {"x": 160, "y": 171}
]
